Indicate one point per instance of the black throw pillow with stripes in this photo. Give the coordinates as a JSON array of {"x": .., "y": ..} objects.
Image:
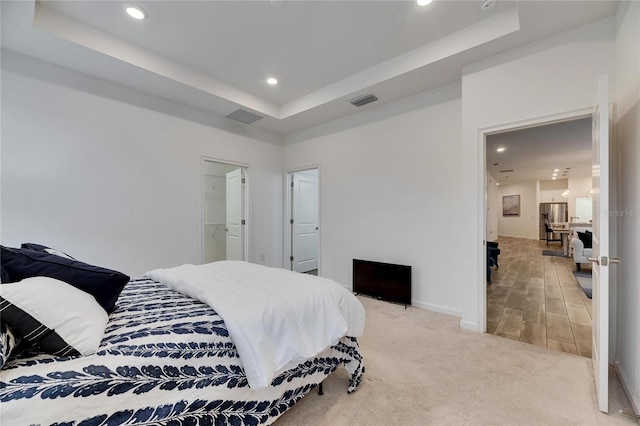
[
  {"x": 51, "y": 316},
  {"x": 8, "y": 343}
]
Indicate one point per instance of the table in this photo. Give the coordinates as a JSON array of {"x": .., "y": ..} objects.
[{"x": 564, "y": 238}]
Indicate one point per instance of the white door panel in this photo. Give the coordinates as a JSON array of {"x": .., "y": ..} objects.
[
  {"x": 600, "y": 175},
  {"x": 305, "y": 221},
  {"x": 235, "y": 214}
]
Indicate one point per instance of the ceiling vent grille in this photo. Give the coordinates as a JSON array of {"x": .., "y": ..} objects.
[
  {"x": 363, "y": 100},
  {"x": 506, "y": 171},
  {"x": 244, "y": 116}
]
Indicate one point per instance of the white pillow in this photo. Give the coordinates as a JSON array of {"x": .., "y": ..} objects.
[{"x": 53, "y": 316}]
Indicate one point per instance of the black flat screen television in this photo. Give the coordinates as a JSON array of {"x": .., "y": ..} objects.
[{"x": 384, "y": 281}]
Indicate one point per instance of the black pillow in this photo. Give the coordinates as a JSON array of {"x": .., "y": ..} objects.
[
  {"x": 4, "y": 276},
  {"x": 585, "y": 237},
  {"x": 45, "y": 249},
  {"x": 103, "y": 284}
]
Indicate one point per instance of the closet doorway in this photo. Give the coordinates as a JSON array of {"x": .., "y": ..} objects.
[
  {"x": 303, "y": 222},
  {"x": 224, "y": 192}
]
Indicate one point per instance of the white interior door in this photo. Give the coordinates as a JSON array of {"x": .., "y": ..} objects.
[
  {"x": 235, "y": 215},
  {"x": 305, "y": 221},
  {"x": 600, "y": 259}
]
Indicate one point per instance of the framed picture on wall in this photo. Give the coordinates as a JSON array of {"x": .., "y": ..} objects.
[{"x": 511, "y": 205}]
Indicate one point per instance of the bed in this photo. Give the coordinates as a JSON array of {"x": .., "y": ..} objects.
[{"x": 164, "y": 358}]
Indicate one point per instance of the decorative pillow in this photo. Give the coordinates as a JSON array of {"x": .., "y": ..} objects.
[
  {"x": 4, "y": 276},
  {"x": 40, "y": 247},
  {"x": 104, "y": 284},
  {"x": 53, "y": 316},
  {"x": 7, "y": 343},
  {"x": 585, "y": 237}
]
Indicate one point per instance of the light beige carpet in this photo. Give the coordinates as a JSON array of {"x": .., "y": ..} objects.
[{"x": 423, "y": 369}]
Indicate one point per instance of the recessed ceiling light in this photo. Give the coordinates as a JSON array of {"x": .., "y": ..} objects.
[
  {"x": 501, "y": 149},
  {"x": 272, "y": 81},
  {"x": 136, "y": 12},
  {"x": 556, "y": 170},
  {"x": 423, "y": 2},
  {"x": 554, "y": 178}
]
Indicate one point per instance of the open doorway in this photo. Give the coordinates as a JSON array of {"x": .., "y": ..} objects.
[
  {"x": 223, "y": 211},
  {"x": 534, "y": 295},
  {"x": 302, "y": 232}
]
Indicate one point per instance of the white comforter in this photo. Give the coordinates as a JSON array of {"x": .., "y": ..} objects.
[{"x": 274, "y": 316}]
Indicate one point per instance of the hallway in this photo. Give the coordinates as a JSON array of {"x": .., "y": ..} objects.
[{"x": 536, "y": 299}]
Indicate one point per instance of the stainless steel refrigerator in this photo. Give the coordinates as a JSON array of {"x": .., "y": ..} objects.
[{"x": 552, "y": 213}]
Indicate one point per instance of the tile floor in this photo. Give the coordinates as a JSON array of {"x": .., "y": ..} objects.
[{"x": 536, "y": 299}]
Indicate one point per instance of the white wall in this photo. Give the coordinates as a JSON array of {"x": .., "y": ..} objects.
[
  {"x": 627, "y": 157},
  {"x": 525, "y": 225},
  {"x": 389, "y": 192},
  {"x": 546, "y": 79},
  {"x": 360, "y": 207},
  {"x": 117, "y": 184}
]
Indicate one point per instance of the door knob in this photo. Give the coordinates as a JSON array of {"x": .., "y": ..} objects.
[{"x": 605, "y": 261}]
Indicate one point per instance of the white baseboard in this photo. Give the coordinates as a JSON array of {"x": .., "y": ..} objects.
[
  {"x": 468, "y": 325},
  {"x": 436, "y": 308},
  {"x": 520, "y": 236},
  {"x": 473, "y": 326},
  {"x": 634, "y": 399}
]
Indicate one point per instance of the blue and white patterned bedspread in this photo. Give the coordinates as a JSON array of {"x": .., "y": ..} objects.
[{"x": 164, "y": 359}]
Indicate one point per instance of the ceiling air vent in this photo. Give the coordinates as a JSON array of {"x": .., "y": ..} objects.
[
  {"x": 363, "y": 100},
  {"x": 244, "y": 116},
  {"x": 506, "y": 171}
]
